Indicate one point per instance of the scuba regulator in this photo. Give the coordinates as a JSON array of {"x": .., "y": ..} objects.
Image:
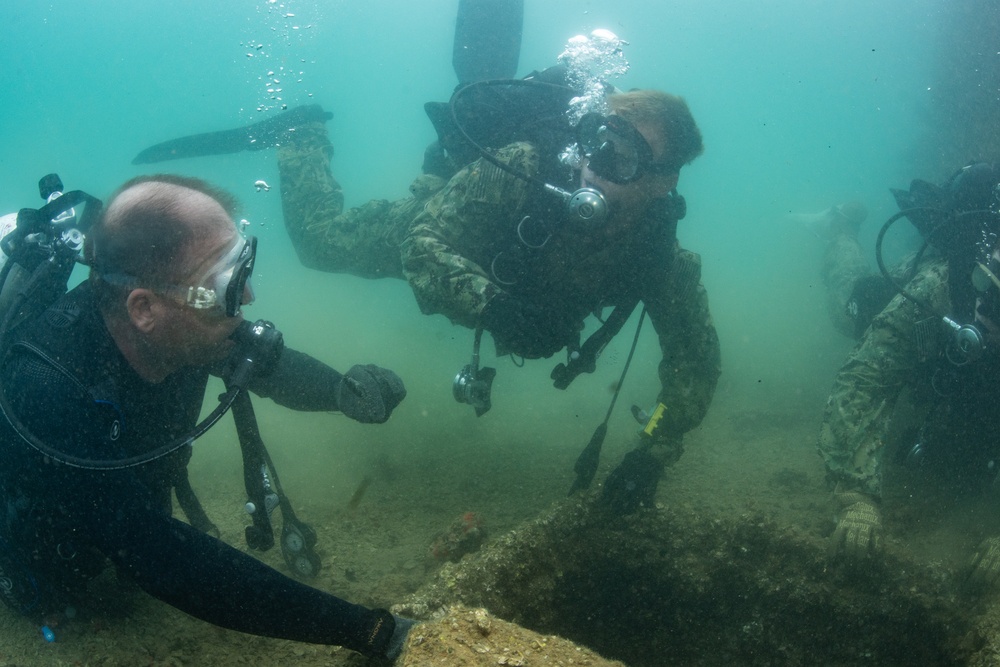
[
  {"x": 486, "y": 115},
  {"x": 961, "y": 220},
  {"x": 40, "y": 248}
]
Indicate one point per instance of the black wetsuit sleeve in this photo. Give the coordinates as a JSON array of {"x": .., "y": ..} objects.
[
  {"x": 115, "y": 512},
  {"x": 300, "y": 382},
  {"x": 210, "y": 580}
]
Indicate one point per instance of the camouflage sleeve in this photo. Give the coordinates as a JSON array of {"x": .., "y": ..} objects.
[
  {"x": 448, "y": 252},
  {"x": 691, "y": 363},
  {"x": 856, "y": 420}
]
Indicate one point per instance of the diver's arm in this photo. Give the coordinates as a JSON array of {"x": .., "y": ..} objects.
[
  {"x": 366, "y": 393},
  {"x": 300, "y": 382},
  {"x": 691, "y": 362},
  {"x": 856, "y": 419},
  {"x": 214, "y": 582},
  {"x": 448, "y": 253}
]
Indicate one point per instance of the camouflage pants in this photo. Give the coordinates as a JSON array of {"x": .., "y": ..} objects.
[{"x": 362, "y": 241}]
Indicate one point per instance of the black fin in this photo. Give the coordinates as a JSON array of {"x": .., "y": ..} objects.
[
  {"x": 263, "y": 134},
  {"x": 487, "y": 39}
]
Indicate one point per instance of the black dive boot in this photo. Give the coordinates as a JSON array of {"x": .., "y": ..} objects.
[{"x": 266, "y": 133}]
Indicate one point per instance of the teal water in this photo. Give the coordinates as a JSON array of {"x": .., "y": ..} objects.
[{"x": 802, "y": 104}]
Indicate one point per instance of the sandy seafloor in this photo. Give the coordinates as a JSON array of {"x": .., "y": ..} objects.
[{"x": 760, "y": 459}]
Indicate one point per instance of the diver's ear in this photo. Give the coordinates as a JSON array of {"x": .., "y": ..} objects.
[{"x": 141, "y": 304}]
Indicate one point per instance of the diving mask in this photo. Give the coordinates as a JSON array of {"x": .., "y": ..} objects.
[
  {"x": 615, "y": 149},
  {"x": 223, "y": 285}
]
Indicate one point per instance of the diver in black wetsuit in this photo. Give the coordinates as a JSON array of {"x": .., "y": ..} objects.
[{"x": 118, "y": 367}]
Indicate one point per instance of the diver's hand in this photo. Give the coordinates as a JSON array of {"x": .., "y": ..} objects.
[
  {"x": 984, "y": 568},
  {"x": 633, "y": 482},
  {"x": 399, "y": 634},
  {"x": 525, "y": 329},
  {"x": 393, "y": 646},
  {"x": 369, "y": 394},
  {"x": 858, "y": 536}
]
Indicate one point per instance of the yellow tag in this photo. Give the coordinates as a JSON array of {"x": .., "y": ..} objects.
[{"x": 654, "y": 420}]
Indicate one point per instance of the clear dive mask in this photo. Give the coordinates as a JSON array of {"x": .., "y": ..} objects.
[{"x": 224, "y": 284}]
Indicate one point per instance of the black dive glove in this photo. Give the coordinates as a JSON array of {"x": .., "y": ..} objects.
[
  {"x": 369, "y": 394},
  {"x": 525, "y": 329},
  {"x": 633, "y": 482}
]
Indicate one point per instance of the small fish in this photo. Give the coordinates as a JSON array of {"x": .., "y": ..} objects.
[{"x": 261, "y": 185}]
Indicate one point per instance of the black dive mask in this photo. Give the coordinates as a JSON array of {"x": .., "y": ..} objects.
[{"x": 615, "y": 150}]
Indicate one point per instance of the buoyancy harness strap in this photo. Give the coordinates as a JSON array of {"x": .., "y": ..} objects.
[{"x": 584, "y": 359}]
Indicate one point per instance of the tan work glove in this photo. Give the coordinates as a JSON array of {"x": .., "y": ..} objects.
[
  {"x": 984, "y": 568},
  {"x": 858, "y": 536}
]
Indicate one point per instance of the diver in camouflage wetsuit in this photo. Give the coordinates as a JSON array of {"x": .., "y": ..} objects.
[
  {"x": 470, "y": 249},
  {"x": 920, "y": 382}
]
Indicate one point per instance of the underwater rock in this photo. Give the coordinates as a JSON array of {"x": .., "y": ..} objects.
[
  {"x": 472, "y": 637},
  {"x": 465, "y": 535},
  {"x": 675, "y": 586}
]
